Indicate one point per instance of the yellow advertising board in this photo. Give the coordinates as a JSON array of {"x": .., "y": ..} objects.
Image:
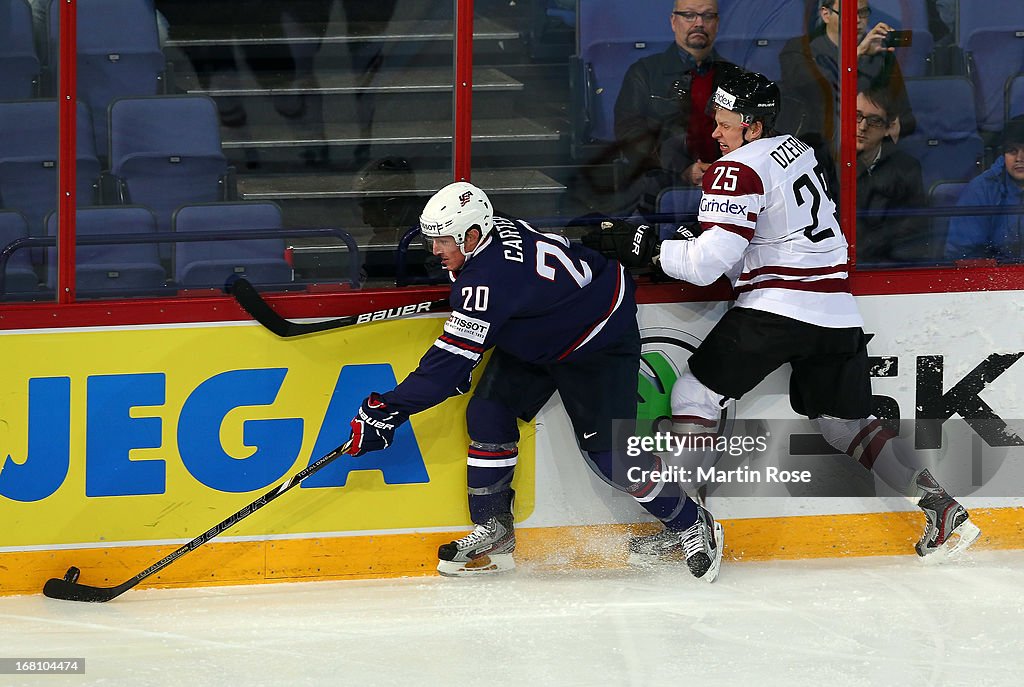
[{"x": 151, "y": 434}]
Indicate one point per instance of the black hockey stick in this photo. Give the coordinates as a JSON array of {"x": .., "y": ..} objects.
[
  {"x": 68, "y": 588},
  {"x": 253, "y": 303}
]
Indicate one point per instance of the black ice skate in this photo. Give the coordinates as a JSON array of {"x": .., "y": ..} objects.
[
  {"x": 487, "y": 549},
  {"x": 702, "y": 543},
  {"x": 949, "y": 528}
]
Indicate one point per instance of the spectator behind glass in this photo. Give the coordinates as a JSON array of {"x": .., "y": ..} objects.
[
  {"x": 887, "y": 179},
  {"x": 661, "y": 120},
  {"x": 1002, "y": 184},
  {"x": 384, "y": 186},
  {"x": 810, "y": 71}
]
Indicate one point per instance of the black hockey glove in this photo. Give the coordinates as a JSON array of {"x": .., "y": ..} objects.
[
  {"x": 686, "y": 232},
  {"x": 632, "y": 245},
  {"x": 373, "y": 428}
]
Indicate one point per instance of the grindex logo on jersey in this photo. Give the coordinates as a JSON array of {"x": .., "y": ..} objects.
[
  {"x": 464, "y": 198},
  {"x": 723, "y": 205}
]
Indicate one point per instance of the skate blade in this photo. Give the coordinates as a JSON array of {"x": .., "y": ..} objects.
[
  {"x": 958, "y": 542},
  {"x": 485, "y": 565},
  {"x": 712, "y": 574}
]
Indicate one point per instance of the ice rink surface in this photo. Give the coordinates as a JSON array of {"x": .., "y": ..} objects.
[{"x": 862, "y": 621}]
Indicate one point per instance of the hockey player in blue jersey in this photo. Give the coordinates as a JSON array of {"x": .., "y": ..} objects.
[{"x": 560, "y": 317}]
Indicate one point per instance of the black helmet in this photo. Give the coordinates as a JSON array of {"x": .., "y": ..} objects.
[{"x": 750, "y": 94}]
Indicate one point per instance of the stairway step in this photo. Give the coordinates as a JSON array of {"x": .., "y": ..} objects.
[
  {"x": 328, "y": 186},
  {"x": 392, "y": 32},
  {"x": 389, "y": 133},
  {"x": 411, "y": 80}
]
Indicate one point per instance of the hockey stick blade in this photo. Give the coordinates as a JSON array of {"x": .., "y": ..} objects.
[
  {"x": 72, "y": 591},
  {"x": 69, "y": 589},
  {"x": 253, "y": 303}
]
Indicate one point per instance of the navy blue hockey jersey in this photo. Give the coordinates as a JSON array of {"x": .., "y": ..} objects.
[{"x": 535, "y": 296}]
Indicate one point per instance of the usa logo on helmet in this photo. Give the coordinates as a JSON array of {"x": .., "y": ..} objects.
[{"x": 464, "y": 198}]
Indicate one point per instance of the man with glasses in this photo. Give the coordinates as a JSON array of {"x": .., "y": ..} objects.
[
  {"x": 888, "y": 180},
  {"x": 661, "y": 122},
  {"x": 810, "y": 70}
]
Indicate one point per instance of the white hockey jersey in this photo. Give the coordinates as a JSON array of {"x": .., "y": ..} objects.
[{"x": 769, "y": 223}]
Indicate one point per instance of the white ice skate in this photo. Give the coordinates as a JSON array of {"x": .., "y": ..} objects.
[{"x": 487, "y": 549}]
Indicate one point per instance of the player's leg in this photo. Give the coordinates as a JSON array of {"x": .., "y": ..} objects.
[
  {"x": 508, "y": 389},
  {"x": 834, "y": 388},
  {"x": 599, "y": 394},
  {"x": 740, "y": 351}
]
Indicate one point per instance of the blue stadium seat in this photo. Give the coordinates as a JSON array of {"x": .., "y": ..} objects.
[
  {"x": 754, "y": 54},
  {"x": 19, "y": 276},
  {"x": 946, "y": 141},
  {"x": 603, "y": 21},
  {"x": 938, "y": 104},
  {"x": 1015, "y": 97},
  {"x": 994, "y": 56},
  {"x": 28, "y": 159},
  {"x": 959, "y": 159},
  {"x": 605, "y": 65},
  {"x": 165, "y": 152},
  {"x": 751, "y": 34},
  {"x": 111, "y": 266},
  {"x": 19, "y": 64},
  {"x": 753, "y": 19},
  {"x": 680, "y": 201},
  {"x": 118, "y": 54},
  {"x": 944, "y": 195},
  {"x": 988, "y": 14},
  {"x": 900, "y": 14},
  {"x": 210, "y": 263}
]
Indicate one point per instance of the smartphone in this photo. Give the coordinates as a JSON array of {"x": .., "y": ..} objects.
[{"x": 898, "y": 39}]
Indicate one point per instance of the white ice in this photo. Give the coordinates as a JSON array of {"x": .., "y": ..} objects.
[{"x": 865, "y": 621}]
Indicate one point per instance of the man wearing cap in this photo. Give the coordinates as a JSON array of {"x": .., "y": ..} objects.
[{"x": 1002, "y": 184}]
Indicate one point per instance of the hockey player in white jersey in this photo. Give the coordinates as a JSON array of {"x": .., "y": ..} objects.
[{"x": 767, "y": 220}]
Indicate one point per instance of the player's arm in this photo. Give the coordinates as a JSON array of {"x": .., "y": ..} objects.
[
  {"x": 733, "y": 196},
  {"x": 444, "y": 370}
]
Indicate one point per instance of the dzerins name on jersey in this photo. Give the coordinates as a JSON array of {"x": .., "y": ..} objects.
[
  {"x": 536, "y": 296},
  {"x": 769, "y": 223}
]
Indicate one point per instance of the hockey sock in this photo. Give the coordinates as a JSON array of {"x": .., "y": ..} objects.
[
  {"x": 878, "y": 449},
  {"x": 489, "y": 471},
  {"x": 641, "y": 479}
]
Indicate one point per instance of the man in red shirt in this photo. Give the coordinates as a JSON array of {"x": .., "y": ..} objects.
[{"x": 661, "y": 119}]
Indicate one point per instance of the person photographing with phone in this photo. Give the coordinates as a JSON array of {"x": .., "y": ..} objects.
[
  {"x": 810, "y": 69},
  {"x": 898, "y": 39}
]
